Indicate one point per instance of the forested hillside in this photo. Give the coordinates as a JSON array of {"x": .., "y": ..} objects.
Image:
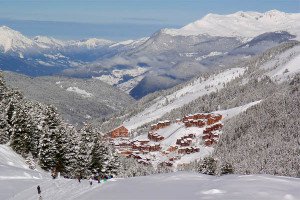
[
  {"x": 265, "y": 138},
  {"x": 38, "y": 133}
]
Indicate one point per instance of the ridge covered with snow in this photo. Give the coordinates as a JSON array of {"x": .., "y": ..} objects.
[
  {"x": 11, "y": 40},
  {"x": 15, "y": 41},
  {"x": 241, "y": 24},
  {"x": 284, "y": 66}
]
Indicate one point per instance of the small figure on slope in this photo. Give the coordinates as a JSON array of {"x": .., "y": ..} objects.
[
  {"x": 91, "y": 181},
  {"x": 39, "y": 192}
]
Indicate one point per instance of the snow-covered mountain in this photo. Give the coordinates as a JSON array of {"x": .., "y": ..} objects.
[
  {"x": 91, "y": 43},
  {"x": 49, "y": 41},
  {"x": 241, "y": 24},
  {"x": 167, "y": 58},
  {"x": 11, "y": 40}
]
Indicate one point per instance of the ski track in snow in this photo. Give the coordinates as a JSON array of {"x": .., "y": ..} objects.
[
  {"x": 184, "y": 185},
  {"x": 178, "y": 185}
]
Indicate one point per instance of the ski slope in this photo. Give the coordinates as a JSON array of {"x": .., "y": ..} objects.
[
  {"x": 284, "y": 66},
  {"x": 229, "y": 113},
  {"x": 183, "y": 96},
  {"x": 172, "y": 186},
  {"x": 185, "y": 185},
  {"x": 17, "y": 182}
]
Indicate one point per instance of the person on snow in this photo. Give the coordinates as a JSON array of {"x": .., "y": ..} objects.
[
  {"x": 39, "y": 190},
  {"x": 91, "y": 181}
]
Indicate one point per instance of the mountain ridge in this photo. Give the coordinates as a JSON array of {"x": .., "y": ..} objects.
[{"x": 241, "y": 24}]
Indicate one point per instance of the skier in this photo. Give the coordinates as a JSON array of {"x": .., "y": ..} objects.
[
  {"x": 91, "y": 181},
  {"x": 39, "y": 191}
]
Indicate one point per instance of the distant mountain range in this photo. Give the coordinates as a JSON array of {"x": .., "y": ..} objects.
[{"x": 163, "y": 60}]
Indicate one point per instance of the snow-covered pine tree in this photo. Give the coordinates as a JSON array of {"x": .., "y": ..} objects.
[
  {"x": 208, "y": 166},
  {"x": 48, "y": 149},
  {"x": 8, "y": 99},
  {"x": 20, "y": 139},
  {"x": 99, "y": 157},
  {"x": 113, "y": 166},
  {"x": 70, "y": 151},
  {"x": 30, "y": 161},
  {"x": 129, "y": 167},
  {"x": 86, "y": 146},
  {"x": 226, "y": 168}
]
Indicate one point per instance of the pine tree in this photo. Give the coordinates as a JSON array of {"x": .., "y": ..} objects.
[
  {"x": 70, "y": 152},
  {"x": 226, "y": 168},
  {"x": 8, "y": 100},
  {"x": 48, "y": 150},
  {"x": 22, "y": 128},
  {"x": 86, "y": 146},
  {"x": 208, "y": 166},
  {"x": 114, "y": 162}
]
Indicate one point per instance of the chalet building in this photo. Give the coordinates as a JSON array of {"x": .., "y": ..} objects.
[
  {"x": 201, "y": 119},
  {"x": 136, "y": 146},
  {"x": 196, "y": 116},
  {"x": 188, "y": 150},
  {"x": 195, "y": 122},
  {"x": 143, "y": 141},
  {"x": 159, "y": 125},
  {"x": 210, "y": 142},
  {"x": 210, "y": 135},
  {"x": 123, "y": 143},
  {"x": 214, "y": 119},
  {"x": 206, "y": 136},
  {"x": 155, "y": 147},
  {"x": 212, "y": 128},
  {"x": 172, "y": 148},
  {"x": 155, "y": 137},
  {"x": 121, "y": 131},
  {"x": 185, "y": 140}
]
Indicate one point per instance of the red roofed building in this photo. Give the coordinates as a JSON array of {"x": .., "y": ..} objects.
[{"x": 121, "y": 131}]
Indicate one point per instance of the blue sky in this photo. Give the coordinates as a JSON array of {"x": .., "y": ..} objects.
[{"x": 119, "y": 19}]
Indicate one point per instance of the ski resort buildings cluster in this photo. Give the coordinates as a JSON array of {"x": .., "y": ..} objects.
[{"x": 168, "y": 141}]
